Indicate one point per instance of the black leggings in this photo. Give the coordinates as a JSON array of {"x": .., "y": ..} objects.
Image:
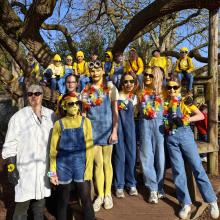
[{"x": 84, "y": 191}]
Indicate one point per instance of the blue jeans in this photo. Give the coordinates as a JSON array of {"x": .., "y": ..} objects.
[
  {"x": 152, "y": 153},
  {"x": 189, "y": 78},
  {"x": 182, "y": 144}
]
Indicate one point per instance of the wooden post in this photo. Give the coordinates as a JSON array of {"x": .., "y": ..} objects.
[{"x": 213, "y": 90}]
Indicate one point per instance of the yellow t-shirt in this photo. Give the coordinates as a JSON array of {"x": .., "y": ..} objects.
[
  {"x": 159, "y": 62},
  {"x": 187, "y": 110},
  {"x": 56, "y": 70},
  {"x": 136, "y": 66},
  {"x": 81, "y": 68},
  {"x": 69, "y": 122}
]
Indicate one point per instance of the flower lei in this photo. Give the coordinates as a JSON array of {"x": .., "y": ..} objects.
[
  {"x": 170, "y": 108},
  {"x": 150, "y": 103},
  {"x": 122, "y": 105},
  {"x": 93, "y": 97}
]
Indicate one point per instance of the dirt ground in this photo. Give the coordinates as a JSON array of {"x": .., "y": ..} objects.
[{"x": 129, "y": 208}]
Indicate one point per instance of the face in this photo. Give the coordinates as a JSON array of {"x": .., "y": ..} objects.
[
  {"x": 173, "y": 88},
  {"x": 132, "y": 55},
  {"x": 94, "y": 57},
  {"x": 107, "y": 57},
  {"x": 119, "y": 58},
  {"x": 128, "y": 84},
  {"x": 156, "y": 54},
  {"x": 69, "y": 62},
  {"x": 72, "y": 106},
  {"x": 96, "y": 74},
  {"x": 80, "y": 58},
  {"x": 183, "y": 54},
  {"x": 148, "y": 79},
  {"x": 35, "y": 98},
  {"x": 71, "y": 84},
  {"x": 57, "y": 63}
]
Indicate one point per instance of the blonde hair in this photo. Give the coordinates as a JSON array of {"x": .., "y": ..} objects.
[{"x": 158, "y": 80}]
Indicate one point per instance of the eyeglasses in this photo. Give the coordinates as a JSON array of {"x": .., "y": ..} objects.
[
  {"x": 107, "y": 56},
  {"x": 71, "y": 104},
  {"x": 71, "y": 82},
  {"x": 150, "y": 75},
  {"x": 96, "y": 64},
  {"x": 34, "y": 93},
  {"x": 184, "y": 52},
  {"x": 173, "y": 87},
  {"x": 129, "y": 81}
]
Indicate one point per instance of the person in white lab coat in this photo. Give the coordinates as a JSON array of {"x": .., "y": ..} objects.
[{"x": 26, "y": 151}]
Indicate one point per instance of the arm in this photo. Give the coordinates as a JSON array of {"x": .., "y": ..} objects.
[
  {"x": 141, "y": 66},
  {"x": 191, "y": 66},
  {"x": 151, "y": 63},
  {"x": 114, "y": 136},
  {"x": 87, "y": 128},
  {"x": 197, "y": 116},
  {"x": 177, "y": 69}
]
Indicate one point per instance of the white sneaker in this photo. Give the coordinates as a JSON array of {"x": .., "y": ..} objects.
[
  {"x": 153, "y": 197},
  {"x": 185, "y": 211},
  {"x": 214, "y": 211},
  {"x": 161, "y": 195},
  {"x": 108, "y": 203},
  {"x": 97, "y": 204},
  {"x": 133, "y": 191},
  {"x": 119, "y": 193}
]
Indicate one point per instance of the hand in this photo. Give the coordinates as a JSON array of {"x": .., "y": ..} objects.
[
  {"x": 54, "y": 180},
  {"x": 113, "y": 139},
  {"x": 177, "y": 121},
  {"x": 13, "y": 175}
]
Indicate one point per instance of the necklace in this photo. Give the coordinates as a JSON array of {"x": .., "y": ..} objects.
[{"x": 123, "y": 105}]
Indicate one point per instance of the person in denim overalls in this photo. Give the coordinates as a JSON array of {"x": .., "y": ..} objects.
[
  {"x": 152, "y": 154},
  {"x": 100, "y": 105},
  {"x": 71, "y": 157},
  {"x": 181, "y": 144},
  {"x": 124, "y": 152},
  {"x": 118, "y": 69}
]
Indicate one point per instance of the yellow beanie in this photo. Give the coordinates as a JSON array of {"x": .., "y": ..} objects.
[
  {"x": 183, "y": 49},
  {"x": 57, "y": 57},
  {"x": 69, "y": 57},
  {"x": 110, "y": 54},
  {"x": 79, "y": 54}
]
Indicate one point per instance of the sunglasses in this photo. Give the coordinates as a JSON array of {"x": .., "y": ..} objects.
[
  {"x": 107, "y": 56},
  {"x": 71, "y": 104},
  {"x": 150, "y": 75},
  {"x": 129, "y": 81},
  {"x": 34, "y": 93},
  {"x": 71, "y": 82},
  {"x": 173, "y": 87},
  {"x": 96, "y": 64},
  {"x": 183, "y": 52}
]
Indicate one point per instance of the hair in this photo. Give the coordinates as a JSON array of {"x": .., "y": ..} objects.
[
  {"x": 158, "y": 79},
  {"x": 133, "y": 75},
  {"x": 174, "y": 79},
  {"x": 156, "y": 50},
  {"x": 70, "y": 76}
]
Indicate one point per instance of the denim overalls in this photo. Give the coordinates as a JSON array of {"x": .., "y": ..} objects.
[
  {"x": 101, "y": 119},
  {"x": 152, "y": 154},
  {"x": 107, "y": 69},
  {"x": 71, "y": 156},
  {"x": 116, "y": 78},
  {"x": 181, "y": 144},
  {"x": 124, "y": 155},
  {"x": 61, "y": 83}
]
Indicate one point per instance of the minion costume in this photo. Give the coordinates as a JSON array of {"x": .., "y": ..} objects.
[
  {"x": 71, "y": 156},
  {"x": 54, "y": 72},
  {"x": 81, "y": 69},
  {"x": 108, "y": 65},
  {"x": 184, "y": 68}
]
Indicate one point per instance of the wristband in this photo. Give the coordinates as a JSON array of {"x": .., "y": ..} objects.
[
  {"x": 51, "y": 174},
  {"x": 11, "y": 167}
]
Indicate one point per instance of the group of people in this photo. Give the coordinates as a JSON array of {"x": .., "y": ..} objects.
[{"x": 93, "y": 137}]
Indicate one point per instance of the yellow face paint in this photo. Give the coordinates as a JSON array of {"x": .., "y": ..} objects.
[
  {"x": 71, "y": 105},
  {"x": 173, "y": 88}
]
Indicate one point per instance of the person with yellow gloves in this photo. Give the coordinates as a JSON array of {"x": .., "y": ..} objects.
[
  {"x": 68, "y": 70},
  {"x": 71, "y": 158},
  {"x": 81, "y": 69},
  {"x": 134, "y": 64},
  {"x": 54, "y": 72},
  {"x": 184, "y": 68},
  {"x": 108, "y": 65}
]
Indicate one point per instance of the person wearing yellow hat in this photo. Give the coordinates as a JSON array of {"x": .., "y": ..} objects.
[
  {"x": 71, "y": 157},
  {"x": 81, "y": 69},
  {"x": 184, "y": 68},
  {"x": 54, "y": 72},
  {"x": 108, "y": 65},
  {"x": 35, "y": 68},
  {"x": 134, "y": 64}
]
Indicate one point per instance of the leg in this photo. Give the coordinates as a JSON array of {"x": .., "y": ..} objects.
[
  {"x": 21, "y": 209},
  {"x": 190, "y": 151},
  {"x": 63, "y": 193},
  {"x": 107, "y": 165},
  {"x": 178, "y": 169},
  {"x": 84, "y": 191},
  {"x": 189, "y": 77},
  {"x": 37, "y": 207},
  {"x": 98, "y": 168},
  {"x": 53, "y": 84},
  {"x": 180, "y": 76}
]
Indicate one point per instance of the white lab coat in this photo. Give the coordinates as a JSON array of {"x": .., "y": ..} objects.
[{"x": 28, "y": 139}]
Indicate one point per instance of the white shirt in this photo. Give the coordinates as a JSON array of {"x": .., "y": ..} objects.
[{"x": 28, "y": 139}]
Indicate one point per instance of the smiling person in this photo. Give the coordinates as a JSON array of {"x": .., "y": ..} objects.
[
  {"x": 71, "y": 157},
  {"x": 152, "y": 154},
  {"x": 124, "y": 152},
  {"x": 179, "y": 113},
  {"x": 100, "y": 105},
  {"x": 26, "y": 152}
]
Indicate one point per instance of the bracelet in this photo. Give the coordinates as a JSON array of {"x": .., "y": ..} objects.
[
  {"x": 51, "y": 174},
  {"x": 11, "y": 167}
]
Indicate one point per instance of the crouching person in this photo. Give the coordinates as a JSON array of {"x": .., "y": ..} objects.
[
  {"x": 25, "y": 150},
  {"x": 71, "y": 158}
]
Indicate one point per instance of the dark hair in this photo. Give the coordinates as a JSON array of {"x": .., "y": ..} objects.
[
  {"x": 73, "y": 76},
  {"x": 133, "y": 75},
  {"x": 156, "y": 50},
  {"x": 174, "y": 79}
]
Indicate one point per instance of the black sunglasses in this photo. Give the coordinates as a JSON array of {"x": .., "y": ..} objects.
[
  {"x": 129, "y": 81},
  {"x": 173, "y": 87},
  {"x": 71, "y": 104},
  {"x": 71, "y": 82},
  {"x": 107, "y": 56},
  {"x": 183, "y": 52},
  {"x": 148, "y": 74},
  {"x": 34, "y": 93}
]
